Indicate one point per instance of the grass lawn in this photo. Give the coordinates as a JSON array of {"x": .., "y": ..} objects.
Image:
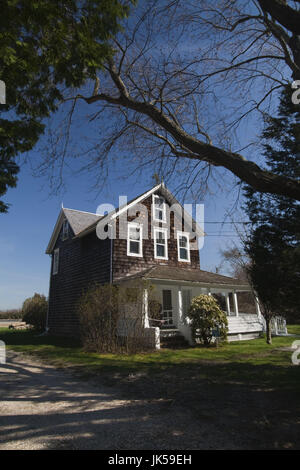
[
  {"x": 231, "y": 361},
  {"x": 248, "y": 389}
]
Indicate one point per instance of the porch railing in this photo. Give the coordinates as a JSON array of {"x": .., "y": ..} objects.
[
  {"x": 156, "y": 322},
  {"x": 278, "y": 326}
]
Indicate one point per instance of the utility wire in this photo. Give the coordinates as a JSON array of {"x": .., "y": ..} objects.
[{"x": 232, "y": 223}]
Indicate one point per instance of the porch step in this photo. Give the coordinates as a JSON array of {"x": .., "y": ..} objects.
[
  {"x": 168, "y": 331},
  {"x": 172, "y": 339}
]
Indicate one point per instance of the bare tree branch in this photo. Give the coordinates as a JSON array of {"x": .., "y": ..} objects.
[{"x": 187, "y": 74}]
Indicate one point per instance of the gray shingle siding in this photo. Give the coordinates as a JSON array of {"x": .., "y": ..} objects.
[
  {"x": 82, "y": 263},
  {"x": 85, "y": 260}
]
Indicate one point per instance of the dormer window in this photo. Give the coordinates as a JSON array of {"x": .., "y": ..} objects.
[
  {"x": 158, "y": 208},
  {"x": 134, "y": 240},
  {"x": 183, "y": 246},
  {"x": 160, "y": 243},
  {"x": 65, "y": 231}
]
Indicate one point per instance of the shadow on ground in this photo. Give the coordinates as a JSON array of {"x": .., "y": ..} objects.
[{"x": 202, "y": 406}]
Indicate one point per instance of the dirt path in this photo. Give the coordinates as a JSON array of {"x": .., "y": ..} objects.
[{"x": 42, "y": 407}]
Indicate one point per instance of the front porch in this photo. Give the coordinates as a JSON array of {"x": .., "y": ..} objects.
[
  {"x": 174, "y": 289},
  {"x": 176, "y": 298}
]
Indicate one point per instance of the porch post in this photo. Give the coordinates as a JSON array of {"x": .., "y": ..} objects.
[
  {"x": 180, "y": 309},
  {"x": 275, "y": 326},
  {"x": 145, "y": 308},
  {"x": 235, "y": 304},
  {"x": 257, "y": 307},
  {"x": 227, "y": 304}
]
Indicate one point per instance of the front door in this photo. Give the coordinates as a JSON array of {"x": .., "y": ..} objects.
[{"x": 167, "y": 307}]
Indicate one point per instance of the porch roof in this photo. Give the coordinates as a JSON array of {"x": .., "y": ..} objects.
[{"x": 201, "y": 278}]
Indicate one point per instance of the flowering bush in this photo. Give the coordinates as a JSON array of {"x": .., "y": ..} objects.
[{"x": 207, "y": 319}]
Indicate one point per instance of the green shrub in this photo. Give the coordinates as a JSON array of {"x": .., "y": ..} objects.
[
  {"x": 206, "y": 319},
  {"x": 34, "y": 311}
]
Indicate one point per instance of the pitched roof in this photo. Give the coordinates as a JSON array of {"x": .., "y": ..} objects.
[
  {"x": 163, "y": 190},
  {"x": 117, "y": 211},
  {"x": 198, "y": 276},
  {"x": 78, "y": 221},
  {"x": 83, "y": 223}
]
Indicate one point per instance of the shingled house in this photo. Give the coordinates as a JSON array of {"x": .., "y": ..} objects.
[{"x": 159, "y": 244}]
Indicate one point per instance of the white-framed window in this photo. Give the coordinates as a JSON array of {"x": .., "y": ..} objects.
[
  {"x": 135, "y": 240},
  {"x": 160, "y": 243},
  {"x": 55, "y": 261},
  {"x": 183, "y": 246},
  {"x": 65, "y": 230},
  {"x": 158, "y": 208}
]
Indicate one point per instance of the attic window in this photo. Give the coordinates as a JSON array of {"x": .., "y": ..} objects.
[
  {"x": 55, "y": 261},
  {"x": 65, "y": 232},
  {"x": 159, "y": 208},
  {"x": 183, "y": 246},
  {"x": 134, "y": 240}
]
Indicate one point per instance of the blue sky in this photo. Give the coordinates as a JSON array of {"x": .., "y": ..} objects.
[{"x": 26, "y": 229}]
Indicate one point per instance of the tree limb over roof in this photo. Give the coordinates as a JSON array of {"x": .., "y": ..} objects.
[{"x": 160, "y": 88}]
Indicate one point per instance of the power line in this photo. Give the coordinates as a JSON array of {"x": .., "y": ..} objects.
[
  {"x": 232, "y": 223},
  {"x": 217, "y": 233},
  {"x": 222, "y": 236}
]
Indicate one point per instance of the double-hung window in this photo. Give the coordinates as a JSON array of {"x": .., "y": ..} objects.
[
  {"x": 134, "y": 240},
  {"x": 160, "y": 243},
  {"x": 158, "y": 208},
  {"x": 55, "y": 261},
  {"x": 183, "y": 246}
]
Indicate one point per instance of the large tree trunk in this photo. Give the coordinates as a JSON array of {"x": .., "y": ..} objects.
[
  {"x": 285, "y": 15},
  {"x": 268, "y": 330},
  {"x": 294, "y": 44},
  {"x": 289, "y": 18}
]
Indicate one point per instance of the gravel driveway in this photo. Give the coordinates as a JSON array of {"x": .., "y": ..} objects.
[{"x": 43, "y": 407}]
